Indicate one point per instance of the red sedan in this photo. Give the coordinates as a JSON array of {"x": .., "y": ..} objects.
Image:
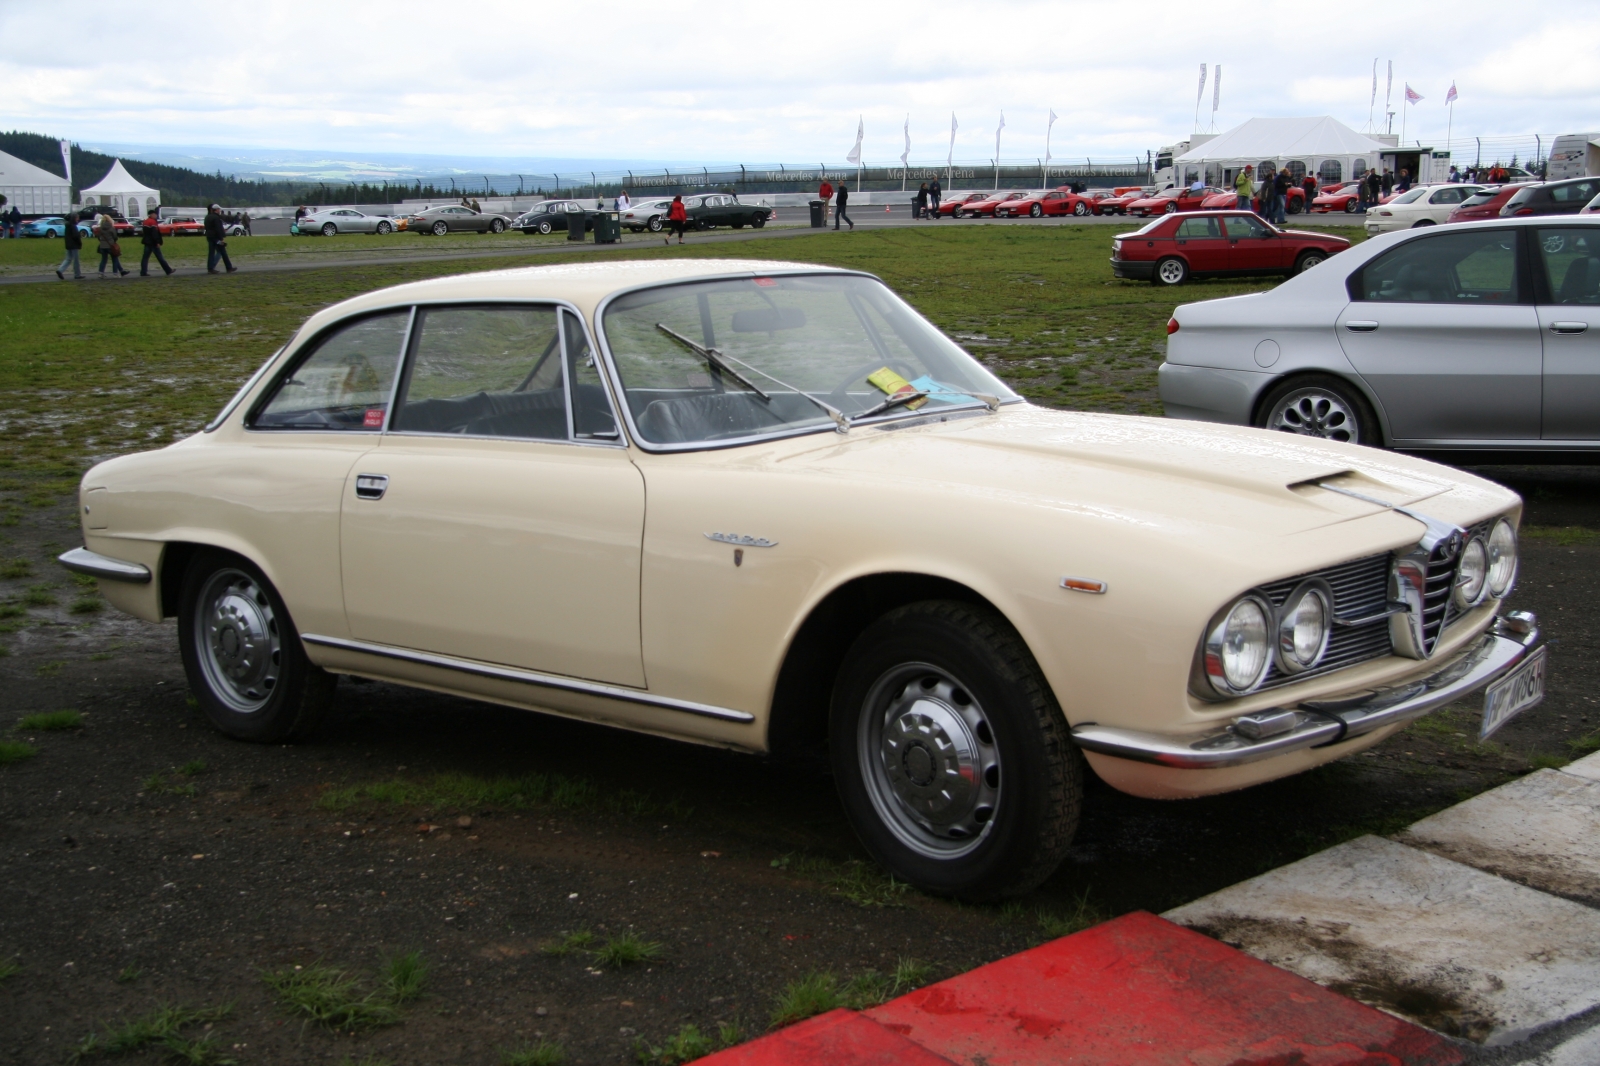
[
  {"x": 1170, "y": 201},
  {"x": 987, "y": 206},
  {"x": 1117, "y": 203},
  {"x": 1053, "y": 202},
  {"x": 1170, "y": 251},
  {"x": 1486, "y": 203},
  {"x": 952, "y": 208}
]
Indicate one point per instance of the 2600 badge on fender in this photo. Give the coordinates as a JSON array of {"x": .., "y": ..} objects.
[{"x": 1513, "y": 694}]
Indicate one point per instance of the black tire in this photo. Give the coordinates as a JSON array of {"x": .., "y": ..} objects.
[
  {"x": 1423, "y": 223},
  {"x": 702, "y": 224},
  {"x": 1036, "y": 210},
  {"x": 440, "y": 228},
  {"x": 1319, "y": 405},
  {"x": 1172, "y": 207},
  {"x": 654, "y": 225},
  {"x": 497, "y": 226},
  {"x": 1308, "y": 260},
  {"x": 1080, "y": 209},
  {"x": 1294, "y": 207},
  {"x": 758, "y": 221},
  {"x": 259, "y": 687},
  {"x": 737, "y": 225},
  {"x": 1351, "y": 206},
  {"x": 544, "y": 226},
  {"x": 965, "y": 667},
  {"x": 1170, "y": 271},
  {"x": 329, "y": 229}
]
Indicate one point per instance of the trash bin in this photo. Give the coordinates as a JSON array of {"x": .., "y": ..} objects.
[
  {"x": 607, "y": 227},
  {"x": 577, "y": 225},
  {"x": 819, "y": 213}
]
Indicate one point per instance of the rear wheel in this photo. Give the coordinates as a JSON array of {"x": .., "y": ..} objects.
[
  {"x": 329, "y": 229},
  {"x": 1080, "y": 209},
  {"x": 654, "y": 225},
  {"x": 1319, "y": 405},
  {"x": 1294, "y": 207},
  {"x": 953, "y": 761},
  {"x": 1171, "y": 271},
  {"x": 1423, "y": 222},
  {"x": 440, "y": 228},
  {"x": 1308, "y": 260},
  {"x": 242, "y": 654}
]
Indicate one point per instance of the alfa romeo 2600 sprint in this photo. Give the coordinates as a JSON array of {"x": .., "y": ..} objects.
[{"x": 768, "y": 506}]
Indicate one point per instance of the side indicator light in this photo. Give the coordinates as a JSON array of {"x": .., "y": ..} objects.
[{"x": 1084, "y": 584}]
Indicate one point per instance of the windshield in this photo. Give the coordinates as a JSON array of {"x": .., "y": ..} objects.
[{"x": 846, "y": 341}]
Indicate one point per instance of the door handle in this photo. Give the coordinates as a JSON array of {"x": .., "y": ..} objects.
[
  {"x": 371, "y": 486},
  {"x": 1361, "y": 327},
  {"x": 1568, "y": 328}
]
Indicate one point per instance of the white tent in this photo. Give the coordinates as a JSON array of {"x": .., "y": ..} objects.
[
  {"x": 1323, "y": 146},
  {"x": 31, "y": 190},
  {"x": 122, "y": 190}
]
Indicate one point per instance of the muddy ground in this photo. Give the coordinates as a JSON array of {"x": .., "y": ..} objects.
[{"x": 145, "y": 860}]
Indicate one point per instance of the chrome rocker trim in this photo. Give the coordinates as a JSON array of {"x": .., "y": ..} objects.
[
  {"x": 84, "y": 561},
  {"x": 530, "y": 677},
  {"x": 1269, "y": 733}
]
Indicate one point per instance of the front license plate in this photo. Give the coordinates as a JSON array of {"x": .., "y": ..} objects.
[{"x": 1513, "y": 694}]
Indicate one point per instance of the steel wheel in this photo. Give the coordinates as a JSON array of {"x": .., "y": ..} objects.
[
  {"x": 929, "y": 760},
  {"x": 237, "y": 640},
  {"x": 544, "y": 226},
  {"x": 440, "y": 228},
  {"x": 1171, "y": 272},
  {"x": 1316, "y": 411},
  {"x": 329, "y": 229},
  {"x": 1307, "y": 261}
]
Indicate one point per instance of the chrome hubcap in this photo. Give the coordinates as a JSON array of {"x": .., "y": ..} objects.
[
  {"x": 239, "y": 645},
  {"x": 1315, "y": 413},
  {"x": 929, "y": 760}
]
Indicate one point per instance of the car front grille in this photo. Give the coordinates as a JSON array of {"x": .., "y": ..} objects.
[{"x": 1360, "y": 590}]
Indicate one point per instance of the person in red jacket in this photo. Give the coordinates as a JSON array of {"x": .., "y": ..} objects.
[
  {"x": 676, "y": 217},
  {"x": 825, "y": 194}
]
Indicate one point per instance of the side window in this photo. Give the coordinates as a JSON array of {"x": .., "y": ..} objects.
[
  {"x": 344, "y": 383},
  {"x": 1571, "y": 262},
  {"x": 1579, "y": 192},
  {"x": 485, "y": 372},
  {"x": 1447, "y": 196},
  {"x": 591, "y": 408},
  {"x": 1199, "y": 229},
  {"x": 1478, "y": 266},
  {"x": 1241, "y": 227}
]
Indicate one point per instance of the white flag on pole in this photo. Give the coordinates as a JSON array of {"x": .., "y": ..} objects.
[
  {"x": 1052, "y": 122},
  {"x": 66, "y": 159},
  {"x": 1374, "y": 101},
  {"x": 951, "y": 158},
  {"x": 1216, "y": 88},
  {"x": 855, "y": 153},
  {"x": 1388, "y": 86},
  {"x": 1200, "y": 91},
  {"x": 905, "y": 155},
  {"x": 1450, "y": 97},
  {"x": 997, "y": 130}
]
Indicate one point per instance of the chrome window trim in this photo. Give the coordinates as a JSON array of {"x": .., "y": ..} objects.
[
  {"x": 620, "y": 395},
  {"x": 532, "y": 678},
  {"x": 244, "y": 390},
  {"x": 314, "y": 340}
]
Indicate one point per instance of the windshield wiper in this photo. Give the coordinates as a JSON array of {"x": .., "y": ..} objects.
[
  {"x": 713, "y": 357},
  {"x": 721, "y": 359},
  {"x": 890, "y": 404}
]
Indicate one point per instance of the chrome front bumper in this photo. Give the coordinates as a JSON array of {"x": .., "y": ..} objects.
[
  {"x": 84, "y": 561},
  {"x": 1318, "y": 723}
]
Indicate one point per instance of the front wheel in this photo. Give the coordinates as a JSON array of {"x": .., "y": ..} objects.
[
  {"x": 1171, "y": 271},
  {"x": 1319, "y": 405},
  {"x": 242, "y": 654},
  {"x": 384, "y": 228},
  {"x": 1351, "y": 206},
  {"x": 497, "y": 226},
  {"x": 1172, "y": 207},
  {"x": 1036, "y": 210},
  {"x": 759, "y": 221},
  {"x": 953, "y": 761},
  {"x": 544, "y": 226},
  {"x": 329, "y": 229}
]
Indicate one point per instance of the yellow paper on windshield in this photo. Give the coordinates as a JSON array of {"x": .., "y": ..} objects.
[{"x": 893, "y": 384}]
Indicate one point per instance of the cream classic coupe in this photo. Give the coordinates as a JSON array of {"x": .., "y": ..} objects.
[{"x": 768, "y": 506}]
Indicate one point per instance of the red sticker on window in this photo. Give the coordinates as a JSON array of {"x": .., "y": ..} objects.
[
  {"x": 766, "y": 283},
  {"x": 374, "y": 418}
]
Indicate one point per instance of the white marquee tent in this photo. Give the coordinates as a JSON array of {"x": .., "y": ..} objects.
[
  {"x": 1322, "y": 146},
  {"x": 31, "y": 190},
  {"x": 122, "y": 190}
]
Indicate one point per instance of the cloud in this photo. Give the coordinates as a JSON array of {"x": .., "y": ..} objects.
[{"x": 766, "y": 82}]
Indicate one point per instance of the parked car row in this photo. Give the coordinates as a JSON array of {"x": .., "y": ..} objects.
[{"x": 175, "y": 226}]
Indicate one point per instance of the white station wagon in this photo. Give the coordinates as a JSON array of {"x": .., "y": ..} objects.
[{"x": 768, "y": 506}]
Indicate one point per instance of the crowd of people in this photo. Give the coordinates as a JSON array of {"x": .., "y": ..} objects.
[{"x": 108, "y": 244}]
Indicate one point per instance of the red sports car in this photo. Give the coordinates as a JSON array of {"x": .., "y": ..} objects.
[
  {"x": 1117, "y": 203},
  {"x": 1221, "y": 200},
  {"x": 987, "y": 206},
  {"x": 1170, "y": 251},
  {"x": 1346, "y": 198},
  {"x": 1053, "y": 202},
  {"x": 952, "y": 208},
  {"x": 181, "y": 226},
  {"x": 1486, "y": 203},
  {"x": 1170, "y": 201}
]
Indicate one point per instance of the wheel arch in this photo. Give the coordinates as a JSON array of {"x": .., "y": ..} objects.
[
  {"x": 1258, "y": 402},
  {"x": 798, "y": 721}
]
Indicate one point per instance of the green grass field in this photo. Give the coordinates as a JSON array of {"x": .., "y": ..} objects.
[{"x": 98, "y": 368}]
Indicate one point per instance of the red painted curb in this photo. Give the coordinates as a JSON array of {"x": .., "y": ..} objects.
[
  {"x": 1136, "y": 991},
  {"x": 1141, "y": 991},
  {"x": 838, "y": 1038}
]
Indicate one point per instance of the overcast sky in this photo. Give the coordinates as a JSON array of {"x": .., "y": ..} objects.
[{"x": 772, "y": 82}]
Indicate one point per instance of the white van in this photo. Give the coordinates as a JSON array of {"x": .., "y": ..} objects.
[{"x": 1574, "y": 155}]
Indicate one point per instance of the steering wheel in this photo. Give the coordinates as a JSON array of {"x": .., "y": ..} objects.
[{"x": 860, "y": 373}]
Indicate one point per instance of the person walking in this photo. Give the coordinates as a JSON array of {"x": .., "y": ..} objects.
[
  {"x": 676, "y": 217},
  {"x": 839, "y": 216},
  {"x": 623, "y": 203},
  {"x": 74, "y": 242},
  {"x": 935, "y": 194},
  {"x": 246, "y": 223},
  {"x": 1244, "y": 187},
  {"x": 1309, "y": 187},
  {"x": 105, "y": 234},
  {"x": 919, "y": 202},
  {"x": 825, "y": 194},
  {"x": 216, "y": 241},
  {"x": 150, "y": 237}
]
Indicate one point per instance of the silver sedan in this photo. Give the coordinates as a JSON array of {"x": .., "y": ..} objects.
[
  {"x": 1481, "y": 337},
  {"x": 332, "y": 220}
]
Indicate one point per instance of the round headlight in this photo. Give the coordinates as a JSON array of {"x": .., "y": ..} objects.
[
  {"x": 1303, "y": 626},
  {"x": 1472, "y": 574},
  {"x": 1502, "y": 558},
  {"x": 1239, "y": 647}
]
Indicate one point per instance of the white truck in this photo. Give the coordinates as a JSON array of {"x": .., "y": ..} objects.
[{"x": 1574, "y": 155}]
